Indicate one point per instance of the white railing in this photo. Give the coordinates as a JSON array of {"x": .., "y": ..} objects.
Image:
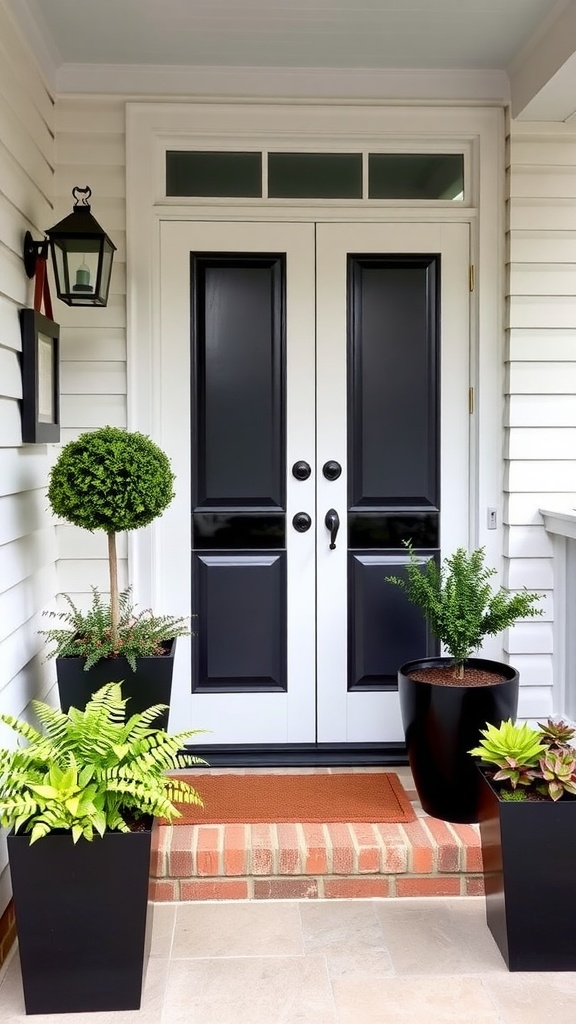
[{"x": 561, "y": 524}]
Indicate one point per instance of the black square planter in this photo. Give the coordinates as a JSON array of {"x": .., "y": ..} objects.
[
  {"x": 81, "y": 918},
  {"x": 528, "y": 858},
  {"x": 150, "y": 684}
]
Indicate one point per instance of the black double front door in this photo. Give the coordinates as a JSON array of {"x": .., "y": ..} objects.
[{"x": 323, "y": 376}]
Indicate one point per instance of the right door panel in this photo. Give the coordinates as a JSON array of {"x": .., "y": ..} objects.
[{"x": 392, "y": 410}]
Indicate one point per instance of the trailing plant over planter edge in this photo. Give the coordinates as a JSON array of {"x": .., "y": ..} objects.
[
  {"x": 113, "y": 480},
  {"x": 459, "y": 603},
  {"x": 91, "y": 771}
]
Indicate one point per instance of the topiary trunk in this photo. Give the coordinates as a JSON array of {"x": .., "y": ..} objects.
[{"x": 114, "y": 593}]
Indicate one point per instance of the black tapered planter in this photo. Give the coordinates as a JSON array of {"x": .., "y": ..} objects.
[
  {"x": 81, "y": 915},
  {"x": 150, "y": 684},
  {"x": 442, "y": 723},
  {"x": 528, "y": 859}
]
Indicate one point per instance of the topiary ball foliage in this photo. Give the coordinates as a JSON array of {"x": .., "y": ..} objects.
[{"x": 111, "y": 479}]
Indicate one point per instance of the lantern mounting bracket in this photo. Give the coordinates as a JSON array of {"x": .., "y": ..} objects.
[{"x": 33, "y": 251}]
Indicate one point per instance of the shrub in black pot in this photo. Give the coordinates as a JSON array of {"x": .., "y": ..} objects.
[
  {"x": 80, "y": 798},
  {"x": 527, "y": 813},
  {"x": 113, "y": 480},
  {"x": 446, "y": 701}
]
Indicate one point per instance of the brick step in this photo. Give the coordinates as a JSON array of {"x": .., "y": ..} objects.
[{"x": 426, "y": 857}]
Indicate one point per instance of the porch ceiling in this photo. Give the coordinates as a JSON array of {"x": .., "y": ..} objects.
[{"x": 531, "y": 40}]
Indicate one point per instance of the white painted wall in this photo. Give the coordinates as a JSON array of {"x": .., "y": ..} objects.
[
  {"x": 27, "y": 537},
  {"x": 541, "y": 381},
  {"x": 90, "y": 151}
]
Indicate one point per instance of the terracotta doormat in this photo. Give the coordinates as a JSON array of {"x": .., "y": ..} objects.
[{"x": 254, "y": 799}]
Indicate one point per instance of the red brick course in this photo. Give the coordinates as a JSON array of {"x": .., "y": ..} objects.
[{"x": 426, "y": 857}]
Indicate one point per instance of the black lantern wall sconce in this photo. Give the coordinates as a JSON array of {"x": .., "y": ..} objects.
[{"x": 82, "y": 255}]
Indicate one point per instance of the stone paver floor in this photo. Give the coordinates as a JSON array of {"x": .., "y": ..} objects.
[{"x": 383, "y": 961}]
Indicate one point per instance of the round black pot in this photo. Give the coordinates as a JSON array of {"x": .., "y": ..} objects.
[{"x": 441, "y": 724}]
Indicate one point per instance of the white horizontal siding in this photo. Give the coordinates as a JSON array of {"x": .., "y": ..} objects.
[
  {"x": 27, "y": 537},
  {"x": 545, "y": 279},
  {"x": 541, "y": 384},
  {"x": 527, "y": 541},
  {"x": 90, "y": 149},
  {"x": 523, "y": 508},
  {"x": 544, "y": 311},
  {"x": 79, "y": 413},
  {"x": 537, "y": 345},
  {"x": 77, "y": 575},
  {"x": 545, "y": 475},
  {"x": 542, "y": 443},
  {"x": 537, "y": 246},
  {"x": 539, "y": 410},
  {"x": 73, "y": 542},
  {"x": 92, "y": 344}
]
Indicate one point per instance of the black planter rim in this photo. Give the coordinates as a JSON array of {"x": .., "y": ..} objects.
[
  {"x": 483, "y": 664},
  {"x": 170, "y": 652}
]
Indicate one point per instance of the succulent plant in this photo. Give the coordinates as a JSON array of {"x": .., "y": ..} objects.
[
  {"x": 542, "y": 761},
  {"x": 558, "y": 769},
  {"x": 520, "y": 743},
  {"x": 556, "y": 733}
]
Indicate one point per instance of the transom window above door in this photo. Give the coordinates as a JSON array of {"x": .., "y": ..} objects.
[{"x": 432, "y": 177}]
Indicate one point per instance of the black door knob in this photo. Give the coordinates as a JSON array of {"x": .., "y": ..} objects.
[
  {"x": 332, "y": 470},
  {"x": 301, "y": 522},
  {"x": 301, "y": 470}
]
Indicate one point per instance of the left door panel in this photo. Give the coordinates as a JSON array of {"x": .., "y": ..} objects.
[{"x": 237, "y": 410}]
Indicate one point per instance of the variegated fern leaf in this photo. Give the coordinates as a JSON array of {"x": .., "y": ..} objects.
[{"x": 91, "y": 771}]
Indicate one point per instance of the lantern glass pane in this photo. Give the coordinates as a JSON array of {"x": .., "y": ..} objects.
[{"x": 106, "y": 273}]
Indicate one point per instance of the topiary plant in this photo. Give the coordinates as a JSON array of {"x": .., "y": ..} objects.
[
  {"x": 458, "y": 601},
  {"x": 91, "y": 771},
  {"x": 112, "y": 480}
]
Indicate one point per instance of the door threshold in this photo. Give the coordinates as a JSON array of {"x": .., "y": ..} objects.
[{"x": 301, "y": 755}]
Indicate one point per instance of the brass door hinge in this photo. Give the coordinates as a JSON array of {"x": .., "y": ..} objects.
[
  {"x": 472, "y": 277},
  {"x": 471, "y": 400}
]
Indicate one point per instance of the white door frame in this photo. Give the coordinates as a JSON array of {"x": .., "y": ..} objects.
[{"x": 152, "y": 128}]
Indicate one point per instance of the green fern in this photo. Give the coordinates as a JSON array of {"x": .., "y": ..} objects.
[
  {"x": 90, "y": 634},
  {"x": 458, "y": 602},
  {"x": 91, "y": 771}
]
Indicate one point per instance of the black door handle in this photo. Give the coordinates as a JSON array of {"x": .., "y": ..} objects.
[{"x": 332, "y": 521}]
